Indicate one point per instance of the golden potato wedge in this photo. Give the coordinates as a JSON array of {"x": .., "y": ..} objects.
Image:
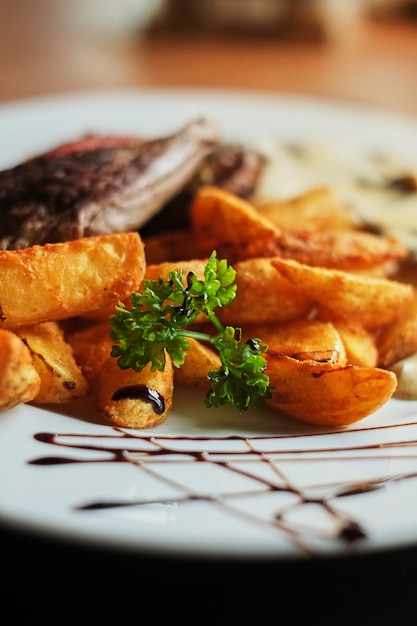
[
  {"x": 398, "y": 340},
  {"x": 219, "y": 216},
  {"x": 124, "y": 397},
  {"x": 154, "y": 271},
  {"x": 317, "y": 208},
  {"x": 61, "y": 377},
  {"x": 56, "y": 281},
  {"x": 200, "y": 360},
  {"x": 359, "y": 343},
  {"x": 326, "y": 394},
  {"x": 19, "y": 379},
  {"x": 264, "y": 296},
  {"x": 372, "y": 301},
  {"x": 175, "y": 246},
  {"x": 349, "y": 250},
  {"x": 301, "y": 339},
  {"x": 346, "y": 250}
]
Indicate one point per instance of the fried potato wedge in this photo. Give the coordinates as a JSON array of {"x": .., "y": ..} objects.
[
  {"x": 264, "y": 296},
  {"x": 326, "y": 394},
  {"x": 301, "y": 339},
  {"x": 239, "y": 231},
  {"x": 399, "y": 340},
  {"x": 317, "y": 208},
  {"x": 219, "y": 216},
  {"x": 57, "y": 281},
  {"x": 374, "y": 301},
  {"x": 124, "y": 397},
  {"x": 19, "y": 379},
  {"x": 346, "y": 250},
  {"x": 175, "y": 246},
  {"x": 61, "y": 377},
  {"x": 154, "y": 271},
  {"x": 359, "y": 343},
  {"x": 200, "y": 360}
]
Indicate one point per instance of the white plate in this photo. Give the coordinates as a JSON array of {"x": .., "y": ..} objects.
[{"x": 208, "y": 482}]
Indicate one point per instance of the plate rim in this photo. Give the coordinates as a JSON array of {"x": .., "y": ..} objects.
[{"x": 23, "y": 106}]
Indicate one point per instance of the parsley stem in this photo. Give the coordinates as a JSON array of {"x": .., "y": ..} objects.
[{"x": 199, "y": 336}]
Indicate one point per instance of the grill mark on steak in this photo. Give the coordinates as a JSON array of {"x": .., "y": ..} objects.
[{"x": 61, "y": 196}]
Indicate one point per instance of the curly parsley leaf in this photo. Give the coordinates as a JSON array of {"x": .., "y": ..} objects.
[{"x": 158, "y": 321}]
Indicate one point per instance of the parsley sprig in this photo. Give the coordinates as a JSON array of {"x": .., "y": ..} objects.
[{"x": 158, "y": 322}]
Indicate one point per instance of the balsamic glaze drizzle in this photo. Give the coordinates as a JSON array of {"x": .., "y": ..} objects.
[
  {"x": 142, "y": 450},
  {"x": 144, "y": 393}
]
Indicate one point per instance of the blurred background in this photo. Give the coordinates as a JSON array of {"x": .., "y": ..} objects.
[{"x": 362, "y": 50}]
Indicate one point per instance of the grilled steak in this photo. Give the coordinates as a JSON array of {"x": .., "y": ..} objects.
[
  {"x": 73, "y": 193},
  {"x": 233, "y": 167}
]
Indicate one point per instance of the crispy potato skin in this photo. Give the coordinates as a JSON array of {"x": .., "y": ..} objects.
[
  {"x": 345, "y": 250},
  {"x": 154, "y": 271},
  {"x": 326, "y": 394},
  {"x": 200, "y": 360},
  {"x": 399, "y": 340},
  {"x": 239, "y": 231},
  {"x": 360, "y": 344},
  {"x": 316, "y": 209},
  {"x": 374, "y": 301},
  {"x": 57, "y": 281},
  {"x": 145, "y": 398},
  {"x": 220, "y": 216},
  {"x": 313, "y": 340},
  {"x": 176, "y": 246},
  {"x": 61, "y": 377},
  {"x": 19, "y": 379},
  {"x": 263, "y": 295}
]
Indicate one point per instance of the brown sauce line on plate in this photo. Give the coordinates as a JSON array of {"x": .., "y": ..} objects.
[{"x": 347, "y": 530}]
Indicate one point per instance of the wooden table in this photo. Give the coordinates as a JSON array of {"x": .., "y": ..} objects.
[{"x": 40, "y": 55}]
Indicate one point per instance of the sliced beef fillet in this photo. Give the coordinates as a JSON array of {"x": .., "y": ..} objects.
[
  {"x": 79, "y": 192},
  {"x": 234, "y": 167}
]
